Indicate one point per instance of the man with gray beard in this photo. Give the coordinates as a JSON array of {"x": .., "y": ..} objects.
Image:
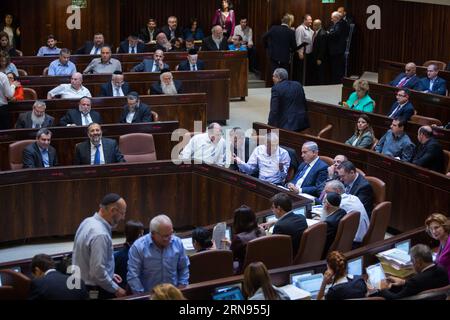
[
  {"x": 166, "y": 85},
  {"x": 37, "y": 118},
  {"x": 216, "y": 41}
]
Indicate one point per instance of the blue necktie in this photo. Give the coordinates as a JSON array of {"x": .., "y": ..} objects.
[
  {"x": 97, "y": 155},
  {"x": 45, "y": 158},
  {"x": 301, "y": 173}
]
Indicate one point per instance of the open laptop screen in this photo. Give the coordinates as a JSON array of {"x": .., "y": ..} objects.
[
  {"x": 355, "y": 266},
  {"x": 404, "y": 245},
  {"x": 311, "y": 284},
  {"x": 376, "y": 274},
  {"x": 231, "y": 293}
]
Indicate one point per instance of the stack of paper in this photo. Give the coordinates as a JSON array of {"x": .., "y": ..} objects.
[
  {"x": 296, "y": 293},
  {"x": 396, "y": 262}
]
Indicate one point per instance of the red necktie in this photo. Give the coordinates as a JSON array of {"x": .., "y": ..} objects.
[{"x": 403, "y": 82}]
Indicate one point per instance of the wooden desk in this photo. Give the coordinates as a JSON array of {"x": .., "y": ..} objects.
[
  {"x": 58, "y": 199},
  {"x": 415, "y": 192},
  {"x": 215, "y": 83},
  {"x": 344, "y": 121},
  {"x": 426, "y": 104},
  {"x": 184, "y": 108},
  {"x": 388, "y": 70},
  {"x": 64, "y": 139},
  {"x": 235, "y": 61}
]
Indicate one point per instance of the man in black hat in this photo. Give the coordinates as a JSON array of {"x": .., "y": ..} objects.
[
  {"x": 332, "y": 215},
  {"x": 131, "y": 45},
  {"x": 166, "y": 85},
  {"x": 192, "y": 63},
  {"x": 135, "y": 111},
  {"x": 93, "y": 250}
]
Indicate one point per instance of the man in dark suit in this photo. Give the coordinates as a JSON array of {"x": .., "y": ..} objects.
[
  {"x": 280, "y": 42},
  {"x": 97, "y": 150},
  {"x": 192, "y": 63},
  {"x": 40, "y": 154},
  {"x": 356, "y": 184},
  {"x": 37, "y": 118},
  {"x": 152, "y": 65},
  {"x": 171, "y": 30},
  {"x": 288, "y": 223},
  {"x": 166, "y": 85},
  {"x": 149, "y": 33},
  {"x": 337, "y": 43},
  {"x": 81, "y": 117},
  {"x": 288, "y": 103},
  {"x": 345, "y": 16},
  {"x": 428, "y": 153},
  {"x": 402, "y": 108},
  {"x": 135, "y": 111},
  {"x": 428, "y": 276},
  {"x": 49, "y": 284},
  {"x": 332, "y": 216},
  {"x": 117, "y": 87},
  {"x": 407, "y": 79},
  {"x": 92, "y": 47},
  {"x": 131, "y": 45},
  {"x": 432, "y": 83},
  {"x": 311, "y": 173},
  {"x": 216, "y": 41},
  {"x": 319, "y": 53}
]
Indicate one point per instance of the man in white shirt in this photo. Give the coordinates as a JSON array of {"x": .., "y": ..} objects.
[
  {"x": 206, "y": 147},
  {"x": 74, "y": 90},
  {"x": 304, "y": 35},
  {"x": 6, "y": 92},
  {"x": 246, "y": 33}
]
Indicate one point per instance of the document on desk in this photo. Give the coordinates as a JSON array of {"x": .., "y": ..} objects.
[
  {"x": 187, "y": 244},
  {"x": 311, "y": 222},
  {"x": 295, "y": 293}
]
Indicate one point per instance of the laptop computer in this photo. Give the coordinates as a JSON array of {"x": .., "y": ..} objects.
[
  {"x": 311, "y": 284},
  {"x": 228, "y": 293},
  {"x": 300, "y": 210},
  {"x": 355, "y": 266},
  {"x": 376, "y": 275},
  {"x": 295, "y": 277},
  {"x": 405, "y": 245}
]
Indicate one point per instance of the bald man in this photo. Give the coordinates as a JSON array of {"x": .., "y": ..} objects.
[
  {"x": 319, "y": 53},
  {"x": 337, "y": 43},
  {"x": 428, "y": 153},
  {"x": 407, "y": 79}
]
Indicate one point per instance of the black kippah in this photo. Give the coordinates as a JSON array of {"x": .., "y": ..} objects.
[
  {"x": 110, "y": 198},
  {"x": 334, "y": 199},
  {"x": 192, "y": 51},
  {"x": 165, "y": 70}
]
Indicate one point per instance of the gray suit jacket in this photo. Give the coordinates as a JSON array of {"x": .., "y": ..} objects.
[
  {"x": 146, "y": 66},
  {"x": 24, "y": 121}
]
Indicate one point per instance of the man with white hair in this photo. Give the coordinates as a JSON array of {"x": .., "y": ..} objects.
[
  {"x": 152, "y": 65},
  {"x": 162, "y": 43},
  {"x": 72, "y": 90},
  {"x": 117, "y": 87},
  {"x": 192, "y": 63},
  {"x": 350, "y": 203},
  {"x": 216, "y": 41},
  {"x": 337, "y": 43},
  {"x": 37, "y": 118},
  {"x": 208, "y": 147},
  {"x": 270, "y": 160},
  {"x": 166, "y": 85},
  {"x": 157, "y": 257}
]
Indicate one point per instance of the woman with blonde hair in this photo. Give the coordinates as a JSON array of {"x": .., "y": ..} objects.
[
  {"x": 342, "y": 286},
  {"x": 167, "y": 291},
  {"x": 258, "y": 285},
  {"x": 438, "y": 227},
  {"x": 363, "y": 136},
  {"x": 360, "y": 99}
]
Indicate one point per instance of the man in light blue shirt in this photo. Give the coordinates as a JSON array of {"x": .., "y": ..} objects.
[
  {"x": 396, "y": 143},
  {"x": 270, "y": 160},
  {"x": 50, "y": 49},
  {"x": 62, "y": 66},
  {"x": 156, "y": 258}
]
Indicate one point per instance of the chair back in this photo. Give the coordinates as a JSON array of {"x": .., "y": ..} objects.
[
  {"x": 19, "y": 282},
  {"x": 375, "y": 142},
  {"x": 22, "y": 73},
  {"x": 379, "y": 222},
  {"x": 29, "y": 94},
  {"x": 45, "y": 71},
  {"x": 325, "y": 133},
  {"x": 155, "y": 116},
  {"x": 137, "y": 147},
  {"x": 432, "y": 294},
  {"x": 379, "y": 189},
  {"x": 361, "y": 172},
  {"x": 16, "y": 153},
  {"x": 447, "y": 161},
  {"x": 329, "y": 161},
  {"x": 425, "y": 121},
  {"x": 346, "y": 232},
  {"x": 312, "y": 244},
  {"x": 274, "y": 251},
  {"x": 440, "y": 64},
  {"x": 210, "y": 265}
]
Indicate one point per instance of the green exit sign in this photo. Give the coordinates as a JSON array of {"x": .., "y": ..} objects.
[{"x": 328, "y": 1}]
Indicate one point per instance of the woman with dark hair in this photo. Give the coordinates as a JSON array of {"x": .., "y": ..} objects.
[
  {"x": 5, "y": 45},
  {"x": 8, "y": 26},
  {"x": 193, "y": 31},
  {"x": 245, "y": 228},
  {"x": 202, "y": 239},
  {"x": 258, "y": 285},
  {"x": 6, "y": 66},
  {"x": 342, "y": 286},
  {"x": 18, "y": 89},
  {"x": 363, "y": 136},
  {"x": 225, "y": 18},
  {"x": 438, "y": 227}
]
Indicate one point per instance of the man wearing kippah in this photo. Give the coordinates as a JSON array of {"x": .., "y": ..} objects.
[
  {"x": 93, "y": 251},
  {"x": 192, "y": 63},
  {"x": 332, "y": 215}
]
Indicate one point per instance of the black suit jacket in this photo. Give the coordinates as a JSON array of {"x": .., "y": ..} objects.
[
  {"x": 430, "y": 156},
  {"x": 209, "y": 44},
  {"x": 432, "y": 278},
  {"x": 156, "y": 87},
  {"x": 73, "y": 116},
  {"x": 337, "y": 38},
  {"x": 406, "y": 112},
  {"x": 288, "y": 106},
  {"x": 142, "y": 114},
  {"x": 412, "y": 83},
  {"x": 145, "y": 34},
  {"x": 53, "y": 286},
  {"x": 124, "y": 47},
  {"x": 292, "y": 225},
  {"x": 86, "y": 48},
  {"x": 32, "y": 157},
  {"x": 106, "y": 90},
  {"x": 166, "y": 30},
  {"x": 363, "y": 190},
  {"x": 320, "y": 46},
  {"x": 280, "y": 41},
  {"x": 110, "y": 150},
  {"x": 185, "y": 66},
  {"x": 332, "y": 226},
  {"x": 24, "y": 121}
]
